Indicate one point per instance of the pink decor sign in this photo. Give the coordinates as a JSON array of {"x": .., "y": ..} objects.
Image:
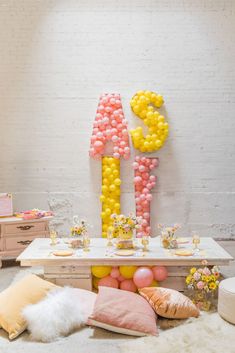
[{"x": 6, "y": 208}]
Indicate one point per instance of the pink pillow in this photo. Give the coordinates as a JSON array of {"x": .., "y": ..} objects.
[
  {"x": 123, "y": 312},
  {"x": 87, "y": 299}
]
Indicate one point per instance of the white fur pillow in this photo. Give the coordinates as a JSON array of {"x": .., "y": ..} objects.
[{"x": 60, "y": 313}]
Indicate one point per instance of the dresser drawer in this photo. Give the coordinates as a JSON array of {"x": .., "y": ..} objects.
[
  {"x": 18, "y": 243},
  {"x": 24, "y": 228}
]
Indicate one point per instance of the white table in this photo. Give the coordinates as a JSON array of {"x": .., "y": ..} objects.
[{"x": 75, "y": 270}]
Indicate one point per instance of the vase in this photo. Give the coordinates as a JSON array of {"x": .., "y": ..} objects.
[
  {"x": 168, "y": 240},
  {"x": 206, "y": 301},
  {"x": 125, "y": 239}
]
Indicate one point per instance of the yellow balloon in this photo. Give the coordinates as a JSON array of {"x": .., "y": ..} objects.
[
  {"x": 95, "y": 282},
  {"x": 154, "y": 284},
  {"x": 117, "y": 181},
  {"x": 101, "y": 271},
  {"x": 127, "y": 271}
]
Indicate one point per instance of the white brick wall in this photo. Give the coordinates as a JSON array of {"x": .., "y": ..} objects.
[{"x": 57, "y": 56}]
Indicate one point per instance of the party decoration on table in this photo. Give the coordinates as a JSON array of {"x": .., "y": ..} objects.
[
  {"x": 128, "y": 278},
  {"x": 110, "y": 197},
  {"x": 202, "y": 284},
  {"x": 124, "y": 226},
  {"x": 143, "y": 277},
  {"x": 168, "y": 236},
  {"x": 78, "y": 231},
  {"x": 144, "y": 183},
  {"x": 35, "y": 213},
  {"x": 110, "y": 126},
  {"x": 143, "y": 104},
  {"x": 53, "y": 237}
]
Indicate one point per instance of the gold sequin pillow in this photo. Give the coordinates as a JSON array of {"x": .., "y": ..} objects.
[{"x": 169, "y": 303}]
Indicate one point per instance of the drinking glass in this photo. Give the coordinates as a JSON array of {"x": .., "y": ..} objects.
[
  {"x": 53, "y": 236},
  {"x": 145, "y": 242},
  {"x": 86, "y": 242},
  {"x": 196, "y": 242}
]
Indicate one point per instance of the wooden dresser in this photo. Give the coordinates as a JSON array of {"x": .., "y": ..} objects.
[{"x": 16, "y": 234}]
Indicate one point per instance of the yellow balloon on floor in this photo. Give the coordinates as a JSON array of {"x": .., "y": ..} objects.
[
  {"x": 95, "y": 282},
  {"x": 154, "y": 283},
  {"x": 127, "y": 271},
  {"x": 101, "y": 271}
]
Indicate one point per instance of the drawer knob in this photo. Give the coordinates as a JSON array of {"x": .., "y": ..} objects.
[
  {"x": 25, "y": 227},
  {"x": 24, "y": 242}
]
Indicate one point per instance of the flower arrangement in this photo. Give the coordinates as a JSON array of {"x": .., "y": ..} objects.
[
  {"x": 126, "y": 224},
  {"x": 80, "y": 228},
  {"x": 123, "y": 227},
  {"x": 168, "y": 238},
  {"x": 203, "y": 282}
]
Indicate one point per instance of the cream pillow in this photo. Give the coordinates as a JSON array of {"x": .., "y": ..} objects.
[{"x": 29, "y": 290}]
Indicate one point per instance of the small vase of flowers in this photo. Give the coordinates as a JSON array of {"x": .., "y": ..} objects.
[
  {"x": 123, "y": 229},
  {"x": 202, "y": 284},
  {"x": 168, "y": 236},
  {"x": 77, "y": 232}
]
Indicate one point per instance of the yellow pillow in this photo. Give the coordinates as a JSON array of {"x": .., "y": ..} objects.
[{"x": 29, "y": 290}]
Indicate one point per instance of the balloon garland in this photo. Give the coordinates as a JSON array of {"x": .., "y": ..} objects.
[
  {"x": 144, "y": 183},
  {"x": 110, "y": 125},
  {"x": 110, "y": 197},
  {"x": 128, "y": 278},
  {"x": 142, "y": 104}
]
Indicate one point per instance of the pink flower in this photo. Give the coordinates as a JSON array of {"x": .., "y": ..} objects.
[
  {"x": 196, "y": 276},
  {"x": 200, "y": 285},
  {"x": 206, "y": 271}
]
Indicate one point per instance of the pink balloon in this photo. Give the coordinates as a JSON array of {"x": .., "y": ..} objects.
[
  {"x": 128, "y": 285},
  {"x": 121, "y": 278},
  {"x": 116, "y": 155},
  {"x": 137, "y": 180},
  {"x": 143, "y": 277},
  {"x": 160, "y": 273},
  {"x": 108, "y": 281},
  {"x": 149, "y": 197},
  {"x": 115, "y": 272}
]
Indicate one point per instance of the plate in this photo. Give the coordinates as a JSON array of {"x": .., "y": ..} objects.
[
  {"x": 183, "y": 252},
  {"x": 124, "y": 252},
  {"x": 183, "y": 240},
  {"x": 63, "y": 253}
]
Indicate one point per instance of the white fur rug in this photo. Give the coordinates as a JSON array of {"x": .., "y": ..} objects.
[{"x": 208, "y": 334}]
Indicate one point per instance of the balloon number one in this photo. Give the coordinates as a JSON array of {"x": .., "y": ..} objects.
[{"x": 111, "y": 126}]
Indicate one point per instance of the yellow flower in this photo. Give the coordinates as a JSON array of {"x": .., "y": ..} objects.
[
  {"x": 212, "y": 278},
  {"x": 207, "y": 279},
  {"x": 212, "y": 285},
  {"x": 193, "y": 270},
  {"x": 188, "y": 279}
]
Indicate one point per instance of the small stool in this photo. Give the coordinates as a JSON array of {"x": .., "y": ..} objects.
[{"x": 226, "y": 300}]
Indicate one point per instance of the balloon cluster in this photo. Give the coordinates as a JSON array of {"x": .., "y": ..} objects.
[
  {"x": 110, "y": 125},
  {"x": 110, "y": 196},
  {"x": 142, "y": 104},
  {"x": 128, "y": 278},
  {"x": 144, "y": 182}
]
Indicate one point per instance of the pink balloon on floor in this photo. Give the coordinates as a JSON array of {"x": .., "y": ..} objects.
[
  {"x": 108, "y": 281},
  {"x": 115, "y": 272},
  {"x": 160, "y": 273},
  {"x": 128, "y": 285},
  {"x": 121, "y": 278},
  {"x": 143, "y": 277}
]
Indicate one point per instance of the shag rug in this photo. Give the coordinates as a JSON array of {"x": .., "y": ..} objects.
[{"x": 207, "y": 334}]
